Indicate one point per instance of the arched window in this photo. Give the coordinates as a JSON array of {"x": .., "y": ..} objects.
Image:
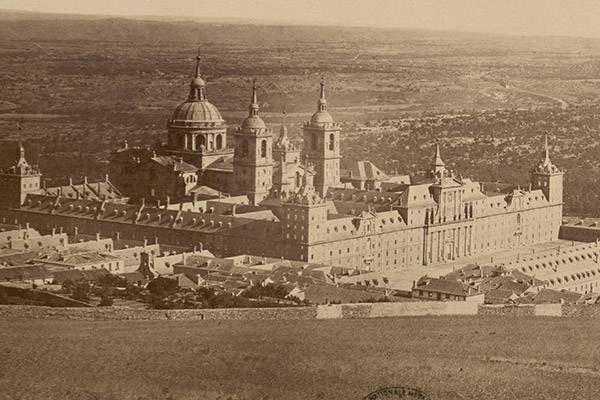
[
  {"x": 518, "y": 218},
  {"x": 200, "y": 141},
  {"x": 298, "y": 179},
  {"x": 471, "y": 211},
  {"x": 219, "y": 141},
  {"x": 331, "y": 141},
  {"x": 245, "y": 148},
  {"x": 263, "y": 148},
  {"x": 314, "y": 141}
]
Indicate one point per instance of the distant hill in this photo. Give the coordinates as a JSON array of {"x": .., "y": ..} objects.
[{"x": 17, "y": 25}]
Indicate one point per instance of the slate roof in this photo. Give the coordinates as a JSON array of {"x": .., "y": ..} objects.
[
  {"x": 75, "y": 275},
  {"x": 443, "y": 286},
  {"x": 93, "y": 191},
  {"x": 175, "y": 164},
  {"x": 556, "y": 296}
]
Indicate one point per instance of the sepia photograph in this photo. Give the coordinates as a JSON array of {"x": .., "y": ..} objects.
[{"x": 299, "y": 199}]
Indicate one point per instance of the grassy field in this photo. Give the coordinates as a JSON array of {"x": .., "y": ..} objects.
[{"x": 446, "y": 357}]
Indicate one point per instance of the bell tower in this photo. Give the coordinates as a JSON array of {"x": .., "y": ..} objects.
[
  {"x": 19, "y": 181},
  {"x": 548, "y": 178},
  {"x": 322, "y": 146},
  {"x": 253, "y": 158}
]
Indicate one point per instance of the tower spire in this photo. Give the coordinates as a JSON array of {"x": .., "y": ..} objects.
[
  {"x": 322, "y": 103},
  {"x": 198, "y": 58},
  {"x": 197, "y": 86},
  {"x": 438, "y": 166},
  {"x": 546, "y": 150},
  {"x": 437, "y": 159},
  {"x": 253, "y": 109},
  {"x": 283, "y": 129}
]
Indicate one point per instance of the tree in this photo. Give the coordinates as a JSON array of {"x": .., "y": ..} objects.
[
  {"x": 81, "y": 291},
  {"x": 162, "y": 286}
]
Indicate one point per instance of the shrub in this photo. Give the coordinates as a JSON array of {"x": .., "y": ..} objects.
[{"x": 162, "y": 286}]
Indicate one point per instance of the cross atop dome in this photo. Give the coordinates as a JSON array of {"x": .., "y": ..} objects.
[{"x": 197, "y": 86}]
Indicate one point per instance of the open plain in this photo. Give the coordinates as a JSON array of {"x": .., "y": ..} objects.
[{"x": 478, "y": 357}]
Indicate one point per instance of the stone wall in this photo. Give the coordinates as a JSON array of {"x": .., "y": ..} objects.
[
  {"x": 581, "y": 310},
  {"x": 337, "y": 311},
  {"x": 501, "y": 309}
]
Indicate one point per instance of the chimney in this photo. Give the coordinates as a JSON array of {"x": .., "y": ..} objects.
[
  {"x": 106, "y": 178},
  {"x": 167, "y": 202},
  {"x": 155, "y": 240},
  {"x": 85, "y": 180},
  {"x": 70, "y": 181},
  {"x": 97, "y": 236},
  {"x": 143, "y": 202},
  {"x": 75, "y": 230},
  {"x": 200, "y": 247},
  {"x": 158, "y": 203},
  {"x": 53, "y": 231},
  {"x": 60, "y": 230},
  {"x": 195, "y": 249},
  {"x": 27, "y": 225},
  {"x": 118, "y": 235}
]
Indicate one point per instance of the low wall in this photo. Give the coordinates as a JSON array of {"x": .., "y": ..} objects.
[
  {"x": 501, "y": 309},
  {"x": 337, "y": 311},
  {"x": 581, "y": 310}
]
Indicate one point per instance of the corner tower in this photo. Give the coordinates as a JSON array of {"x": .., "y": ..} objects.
[
  {"x": 18, "y": 181},
  {"x": 253, "y": 158},
  {"x": 548, "y": 178},
  {"x": 322, "y": 146}
]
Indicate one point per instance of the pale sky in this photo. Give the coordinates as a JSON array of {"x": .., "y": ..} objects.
[{"x": 518, "y": 17}]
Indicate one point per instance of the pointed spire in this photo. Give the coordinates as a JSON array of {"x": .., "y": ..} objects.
[
  {"x": 438, "y": 167},
  {"x": 546, "y": 150},
  {"x": 545, "y": 164},
  {"x": 437, "y": 159},
  {"x": 322, "y": 88},
  {"x": 322, "y": 103},
  {"x": 21, "y": 151},
  {"x": 283, "y": 129},
  {"x": 253, "y": 109},
  {"x": 197, "y": 86},
  {"x": 198, "y": 58}
]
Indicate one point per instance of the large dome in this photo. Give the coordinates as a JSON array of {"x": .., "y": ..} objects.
[{"x": 196, "y": 111}]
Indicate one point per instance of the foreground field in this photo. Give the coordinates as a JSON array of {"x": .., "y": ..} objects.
[{"x": 446, "y": 357}]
